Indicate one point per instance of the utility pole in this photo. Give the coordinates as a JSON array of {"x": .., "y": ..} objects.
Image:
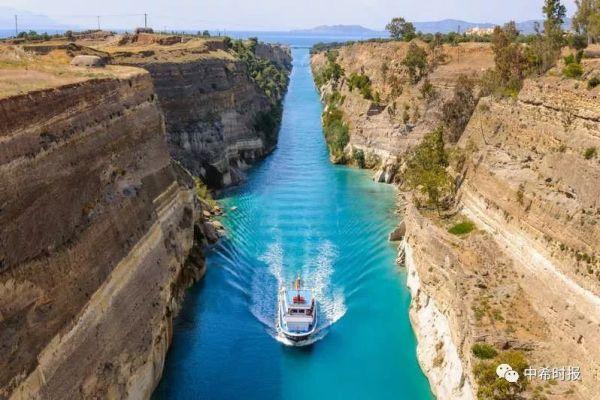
[
  {"x": 145, "y": 20},
  {"x": 98, "y": 22},
  {"x": 16, "y": 25},
  {"x": 458, "y": 47}
]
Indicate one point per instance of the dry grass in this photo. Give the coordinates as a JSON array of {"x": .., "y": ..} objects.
[
  {"x": 149, "y": 51},
  {"x": 22, "y": 72}
]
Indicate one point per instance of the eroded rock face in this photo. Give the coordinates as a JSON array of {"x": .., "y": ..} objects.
[
  {"x": 97, "y": 226},
  {"x": 386, "y": 131},
  {"x": 527, "y": 278},
  {"x": 211, "y": 108},
  {"x": 533, "y": 184}
]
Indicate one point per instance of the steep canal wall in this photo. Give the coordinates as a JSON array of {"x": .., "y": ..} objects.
[
  {"x": 101, "y": 231},
  {"x": 513, "y": 263}
]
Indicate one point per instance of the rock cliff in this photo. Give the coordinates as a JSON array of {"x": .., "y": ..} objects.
[
  {"x": 219, "y": 118},
  {"x": 525, "y": 280},
  {"x": 397, "y": 114},
  {"x": 102, "y": 231}
]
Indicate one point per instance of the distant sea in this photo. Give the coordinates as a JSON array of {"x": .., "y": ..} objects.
[{"x": 288, "y": 38}]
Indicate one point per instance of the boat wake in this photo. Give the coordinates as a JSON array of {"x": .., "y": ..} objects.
[{"x": 316, "y": 273}]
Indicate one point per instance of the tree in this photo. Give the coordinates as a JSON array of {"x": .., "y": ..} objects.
[
  {"x": 594, "y": 27},
  {"x": 436, "y": 46},
  {"x": 555, "y": 13},
  {"x": 416, "y": 62},
  {"x": 511, "y": 63},
  {"x": 426, "y": 168},
  {"x": 457, "y": 112},
  {"x": 583, "y": 20},
  {"x": 400, "y": 29}
]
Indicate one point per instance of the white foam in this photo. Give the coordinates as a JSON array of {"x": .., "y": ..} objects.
[
  {"x": 265, "y": 286},
  {"x": 316, "y": 272}
]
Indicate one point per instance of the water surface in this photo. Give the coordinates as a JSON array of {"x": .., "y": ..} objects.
[{"x": 299, "y": 214}]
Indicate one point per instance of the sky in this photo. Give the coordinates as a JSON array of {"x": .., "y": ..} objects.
[{"x": 271, "y": 14}]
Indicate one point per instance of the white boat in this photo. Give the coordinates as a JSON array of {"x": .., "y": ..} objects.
[{"x": 297, "y": 314}]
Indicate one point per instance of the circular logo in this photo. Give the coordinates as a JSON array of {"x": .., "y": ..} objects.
[{"x": 503, "y": 369}]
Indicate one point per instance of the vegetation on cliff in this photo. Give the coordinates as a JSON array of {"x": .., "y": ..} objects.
[
  {"x": 492, "y": 387},
  {"x": 515, "y": 61},
  {"x": 400, "y": 29},
  {"x": 361, "y": 82},
  {"x": 268, "y": 122},
  {"x": 457, "y": 112},
  {"x": 269, "y": 77},
  {"x": 332, "y": 72},
  {"x": 426, "y": 169},
  {"x": 336, "y": 130},
  {"x": 416, "y": 62}
]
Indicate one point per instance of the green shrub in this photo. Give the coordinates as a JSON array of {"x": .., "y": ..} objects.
[
  {"x": 428, "y": 91},
  {"x": 416, "y": 62},
  {"x": 359, "y": 157},
  {"x": 268, "y": 76},
  {"x": 362, "y": 83},
  {"x": 484, "y": 351},
  {"x": 590, "y": 153},
  {"x": 491, "y": 386},
  {"x": 332, "y": 70},
  {"x": 570, "y": 59},
  {"x": 462, "y": 228},
  {"x": 573, "y": 70},
  {"x": 426, "y": 168},
  {"x": 336, "y": 131},
  {"x": 593, "y": 82}
]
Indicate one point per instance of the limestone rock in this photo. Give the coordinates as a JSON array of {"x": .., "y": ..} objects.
[{"x": 88, "y": 61}]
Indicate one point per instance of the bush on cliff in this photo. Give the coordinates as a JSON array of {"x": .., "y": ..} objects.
[
  {"x": 493, "y": 387},
  {"x": 416, "y": 63},
  {"x": 463, "y": 228},
  {"x": 268, "y": 76},
  {"x": 359, "y": 158},
  {"x": 334, "y": 127},
  {"x": 362, "y": 83},
  {"x": 573, "y": 68},
  {"x": 336, "y": 131},
  {"x": 484, "y": 351},
  {"x": 331, "y": 72},
  {"x": 426, "y": 169},
  {"x": 457, "y": 112}
]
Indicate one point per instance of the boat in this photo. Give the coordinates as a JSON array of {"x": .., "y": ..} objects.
[{"x": 297, "y": 314}]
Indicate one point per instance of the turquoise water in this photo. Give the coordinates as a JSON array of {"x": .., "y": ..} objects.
[{"x": 298, "y": 213}]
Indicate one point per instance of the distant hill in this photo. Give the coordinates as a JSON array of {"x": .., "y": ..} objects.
[
  {"x": 443, "y": 26},
  {"x": 339, "y": 30},
  {"x": 28, "y": 21}
]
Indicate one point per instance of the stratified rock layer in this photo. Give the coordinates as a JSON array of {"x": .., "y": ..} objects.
[
  {"x": 97, "y": 226},
  {"x": 527, "y": 277},
  {"x": 211, "y": 105}
]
